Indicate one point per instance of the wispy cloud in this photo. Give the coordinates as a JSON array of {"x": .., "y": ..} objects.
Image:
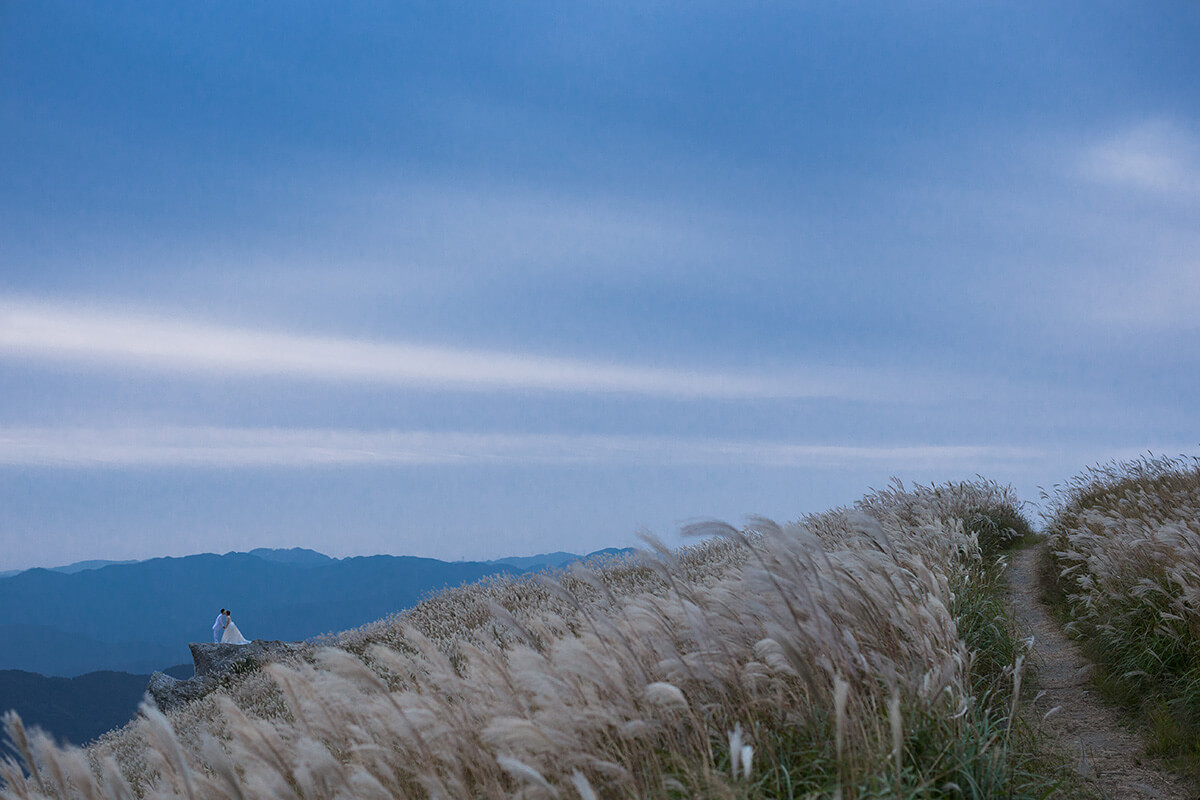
[
  {"x": 285, "y": 448},
  {"x": 97, "y": 339},
  {"x": 1155, "y": 156}
]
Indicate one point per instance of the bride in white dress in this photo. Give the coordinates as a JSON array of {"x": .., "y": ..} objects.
[{"x": 232, "y": 635}]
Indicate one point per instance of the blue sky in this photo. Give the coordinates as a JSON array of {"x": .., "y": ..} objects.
[{"x": 473, "y": 280}]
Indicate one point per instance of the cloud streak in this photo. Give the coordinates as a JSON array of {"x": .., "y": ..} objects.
[
  {"x": 207, "y": 447},
  {"x": 46, "y": 333},
  {"x": 1154, "y": 156}
]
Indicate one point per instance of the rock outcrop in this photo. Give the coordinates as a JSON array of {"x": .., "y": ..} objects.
[
  {"x": 211, "y": 663},
  {"x": 169, "y": 692}
]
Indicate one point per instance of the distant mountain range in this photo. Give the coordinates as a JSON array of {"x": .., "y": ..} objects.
[
  {"x": 136, "y": 617},
  {"x": 111, "y": 623},
  {"x": 77, "y": 709},
  {"x": 70, "y": 569}
]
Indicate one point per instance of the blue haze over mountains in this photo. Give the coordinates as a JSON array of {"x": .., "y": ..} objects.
[{"x": 138, "y": 617}]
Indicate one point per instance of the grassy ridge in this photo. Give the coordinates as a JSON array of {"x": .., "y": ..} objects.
[
  {"x": 1125, "y": 570},
  {"x": 860, "y": 653}
]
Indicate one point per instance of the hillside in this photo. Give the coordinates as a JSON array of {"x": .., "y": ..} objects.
[
  {"x": 863, "y": 652},
  {"x": 76, "y": 709},
  {"x": 1124, "y": 570}
]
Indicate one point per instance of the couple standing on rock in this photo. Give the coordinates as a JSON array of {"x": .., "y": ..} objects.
[{"x": 224, "y": 629}]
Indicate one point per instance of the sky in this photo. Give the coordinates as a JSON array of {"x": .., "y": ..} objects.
[{"x": 468, "y": 280}]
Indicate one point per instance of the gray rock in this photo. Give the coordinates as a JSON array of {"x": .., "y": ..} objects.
[
  {"x": 216, "y": 660},
  {"x": 212, "y": 662},
  {"x": 169, "y": 693}
]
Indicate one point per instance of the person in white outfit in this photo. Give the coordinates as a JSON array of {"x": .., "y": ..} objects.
[
  {"x": 219, "y": 625},
  {"x": 232, "y": 635}
]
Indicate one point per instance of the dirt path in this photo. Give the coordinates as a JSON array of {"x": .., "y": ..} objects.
[{"x": 1091, "y": 732}]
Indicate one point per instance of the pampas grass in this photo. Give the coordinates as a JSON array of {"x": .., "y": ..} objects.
[
  {"x": 1125, "y": 542},
  {"x": 811, "y": 659}
]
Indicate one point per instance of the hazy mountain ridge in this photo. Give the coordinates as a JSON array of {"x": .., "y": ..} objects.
[
  {"x": 552, "y": 560},
  {"x": 302, "y": 556},
  {"x": 136, "y": 617},
  {"x": 77, "y": 709},
  {"x": 69, "y": 569},
  {"x": 50, "y": 651}
]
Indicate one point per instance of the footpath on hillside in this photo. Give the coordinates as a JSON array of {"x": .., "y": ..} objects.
[{"x": 1092, "y": 733}]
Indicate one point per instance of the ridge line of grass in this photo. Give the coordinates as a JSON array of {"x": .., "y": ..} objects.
[{"x": 1121, "y": 574}]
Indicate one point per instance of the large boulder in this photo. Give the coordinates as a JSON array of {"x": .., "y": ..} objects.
[
  {"x": 211, "y": 663},
  {"x": 216, "y": 660},
  {"x": 169, "y": 693}
]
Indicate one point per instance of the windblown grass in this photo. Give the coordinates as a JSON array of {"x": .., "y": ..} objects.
[
  {"x": 859, "y": 653},
  {"x": 1125, "y": 546}
]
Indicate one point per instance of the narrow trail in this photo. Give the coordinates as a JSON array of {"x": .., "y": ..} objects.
[{"x": 1091, "y": 732}]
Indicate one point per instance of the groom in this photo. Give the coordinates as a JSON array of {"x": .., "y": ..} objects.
[{"x": 219, "y": 625}]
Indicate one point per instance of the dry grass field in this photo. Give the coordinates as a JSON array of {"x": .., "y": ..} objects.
[
  {"x": 863, "y": 652},
  {"x": 1125, "y": 572}
]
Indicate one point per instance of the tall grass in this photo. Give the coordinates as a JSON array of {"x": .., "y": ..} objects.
[
  {"x": 1126, "y": 555},
  {"x": 858, "y": 653}
]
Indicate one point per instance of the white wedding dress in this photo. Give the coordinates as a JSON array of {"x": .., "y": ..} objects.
[{"x": 232, "y": 635}]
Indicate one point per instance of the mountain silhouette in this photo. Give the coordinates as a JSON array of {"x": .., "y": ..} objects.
[
  {"x": 138, "y": 617},
  {"x": 76, "y": 709}
]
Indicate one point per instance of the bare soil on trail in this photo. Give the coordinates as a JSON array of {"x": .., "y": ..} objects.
[{"x": 1093, "y": 734}]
